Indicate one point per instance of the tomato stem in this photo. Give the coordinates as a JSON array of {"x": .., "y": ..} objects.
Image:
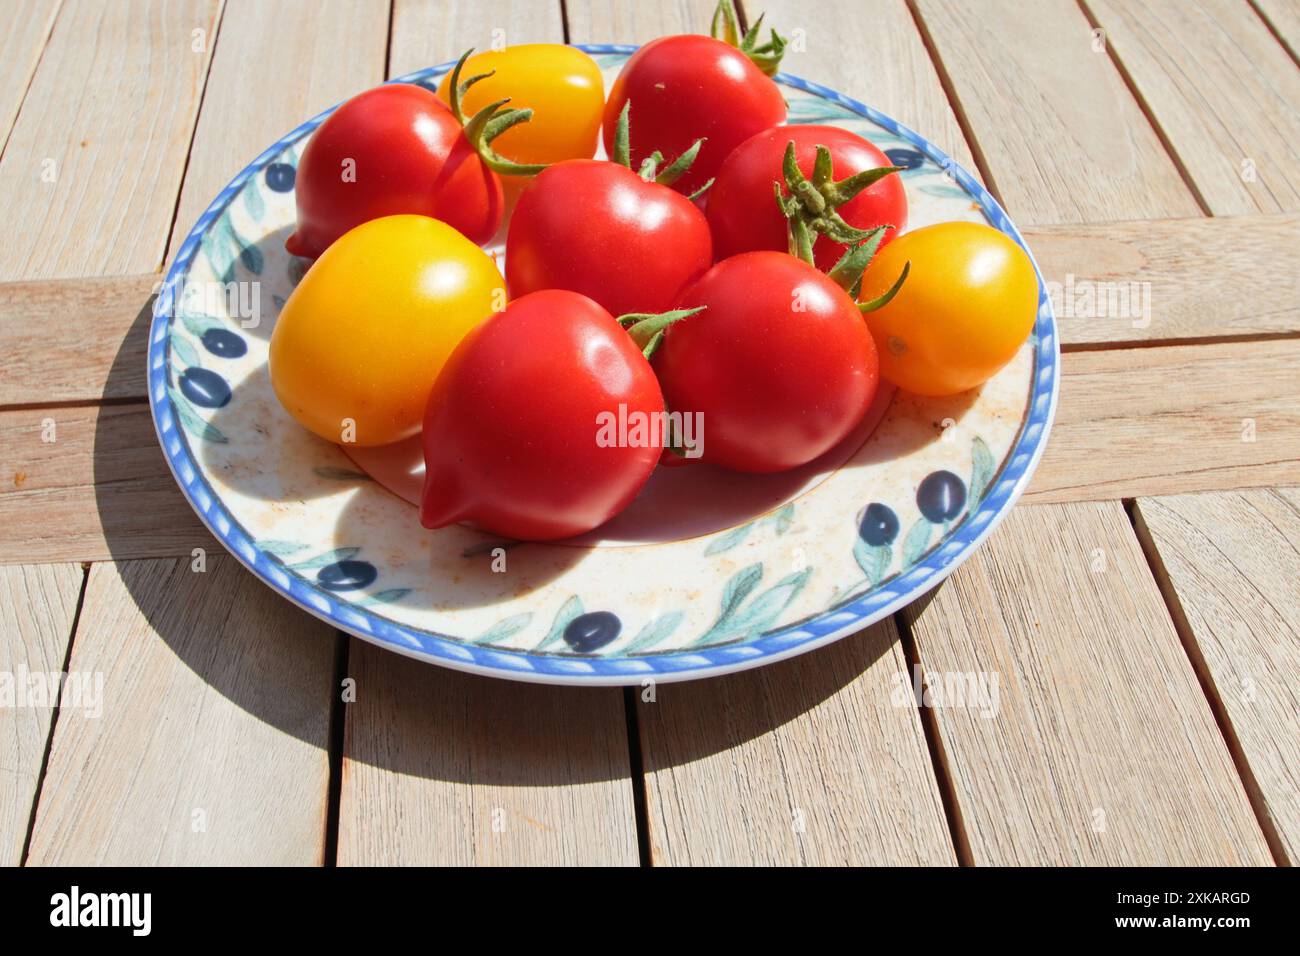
[
  {"x": 488, "y": 123},
  {"x": 649, "y": 168},
  {"x": 880, "y": 301},
  {"x": 809, "y": 210},
  {"x": 726, "y": 27},
  {"x": 647, "y": 328},
  {"x": 814, "y": 201},
  {"x": 622, "y": 148}
]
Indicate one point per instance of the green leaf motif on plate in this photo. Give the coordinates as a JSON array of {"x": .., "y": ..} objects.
[
  {"x": 737, "y": 623},
  {"x": 729, "y": 539},
  {"x": 280, "y": 548},
  {"x": 184, "y": 353},
  {"x": 736, "y": 590},
  {"x": 192, "y": 423},
  {"x": 653, "y": 633},
  {"x": 874, "y": 560},
  {"x": 982, "y": 467},
  {"x": 383, "y": 597},
  {"x": 784, "y": 517},
  {"x": 225, "y": 245},
  {"x": 572, "y": 608},
  {"x": 944, "y": 190},
  {"x": 504, "y": 629},
  {"x": 196, "y": 323},
  {"x": 916, "y": 542},
  {"x": 253, "y": 203}
]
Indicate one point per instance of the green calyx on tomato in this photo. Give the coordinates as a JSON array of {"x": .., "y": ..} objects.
[
  {"x": 647, "y": 328},
  {"x": 810, "y": 210},
  {"x": 649, "y": 169},
  {"x": 811, "y": 205},
  {"x": 726, "y": 27},
  {"x": 488, "y": 123}
]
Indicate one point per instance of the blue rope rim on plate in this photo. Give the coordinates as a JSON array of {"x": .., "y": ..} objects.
[{"x": 525, "y": 665}]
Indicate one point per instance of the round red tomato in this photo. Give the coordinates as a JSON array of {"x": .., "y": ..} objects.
[
  {"x": 522, "y": 435},
  {"x": 686, "y": 87},
  {"x": 394, "y": 149},
  {"x": 779, "y": 364},
  {"x": 744, "y": 217},
  {"x": 598, "y": 228}
]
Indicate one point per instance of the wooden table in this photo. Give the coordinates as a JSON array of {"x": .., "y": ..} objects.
[{"x": 1138, "y": 610}]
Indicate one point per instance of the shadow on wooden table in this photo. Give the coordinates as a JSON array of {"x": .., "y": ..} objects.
[{"x": 279, "y": 665}]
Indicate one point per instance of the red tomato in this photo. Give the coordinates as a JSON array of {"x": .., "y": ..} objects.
[
  {"x": 514, "y": 436},
  {"x": 598, "y": 228},
  {"x": 744, "y": 217},
  {"x": 685, "y": 87},
  {"x": 780, "y": 363},
  {"x": 394, "y": 149}
]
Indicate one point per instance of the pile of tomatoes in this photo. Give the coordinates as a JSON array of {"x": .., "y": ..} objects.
[{"x": 725, "y": 288}]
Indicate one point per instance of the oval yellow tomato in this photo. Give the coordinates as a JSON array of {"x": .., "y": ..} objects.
[
  {"x": 360, "y": 341},
  {"x": 969, "y": 302},
  {"x": 560, "y": 84}
]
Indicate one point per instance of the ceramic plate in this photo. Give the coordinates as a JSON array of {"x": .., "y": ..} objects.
[{"x": 733, "y": 572}]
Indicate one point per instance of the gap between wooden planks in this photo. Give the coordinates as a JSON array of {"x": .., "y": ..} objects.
[
  {"x": 1228, "y": 564},
  {"x": 1061, "y": 137},
  {"x": 209, "y": 749},
  {"x": 88, "y": 181},
  {"x": 1099, "y": 748},
  {"x": 1224, "y": 92},
  {"x": 37, "y": 606},
  {"x": 443, "y": 768}
]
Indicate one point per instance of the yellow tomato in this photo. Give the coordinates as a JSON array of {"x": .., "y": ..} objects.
[
  {"x": 359, "y": 343},
  {"x": 560, "y": 84},
  {"x": 966, "y": 307}
]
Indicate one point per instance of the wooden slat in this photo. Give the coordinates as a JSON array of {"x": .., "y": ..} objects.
[
  {"x": 112, "y": 107},
  {"x": 1173, "y": 419},
  {"x": 100, "y": 490},
  {"x": 1283, "y": 16},
  {"x": 1102, "y": 749},
  {"x": 27, "y": 27},
  {"x": 1131, "y": 422},
  {"x": 448, "y": 769},
  {"x": 428, "y": 32},
  {"x": 439, "y": 767},
  {"x": 613, "y": 21},
  {"x": 1172, "y": 279},
  {"x": 889, "y": 67},
  {"x": 37, "y": 607},
  {"x": 1230, "y": 562},
  {"x": 820, "y": 760},
  {"x": 1060, "y": 133},
  {"x": 74, "y": 340},
  {"x": 276, "y": 65},
  {"x": 212, "y": 744},
  {"x": 1225, "y": 93}
]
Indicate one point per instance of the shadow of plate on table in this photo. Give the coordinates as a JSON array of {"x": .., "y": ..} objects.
[{"x": 426, "y": 701}]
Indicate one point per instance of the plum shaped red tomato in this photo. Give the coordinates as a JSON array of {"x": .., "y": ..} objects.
[
  {"x": 686, "y": 87},
  {"x": 744, "y": 218},
  {"x": 779, "y": 363},
  {"x": 624, "y": 239},
  {"x": 398, "y": 149},
  {"x": 517, "y": 435}
]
